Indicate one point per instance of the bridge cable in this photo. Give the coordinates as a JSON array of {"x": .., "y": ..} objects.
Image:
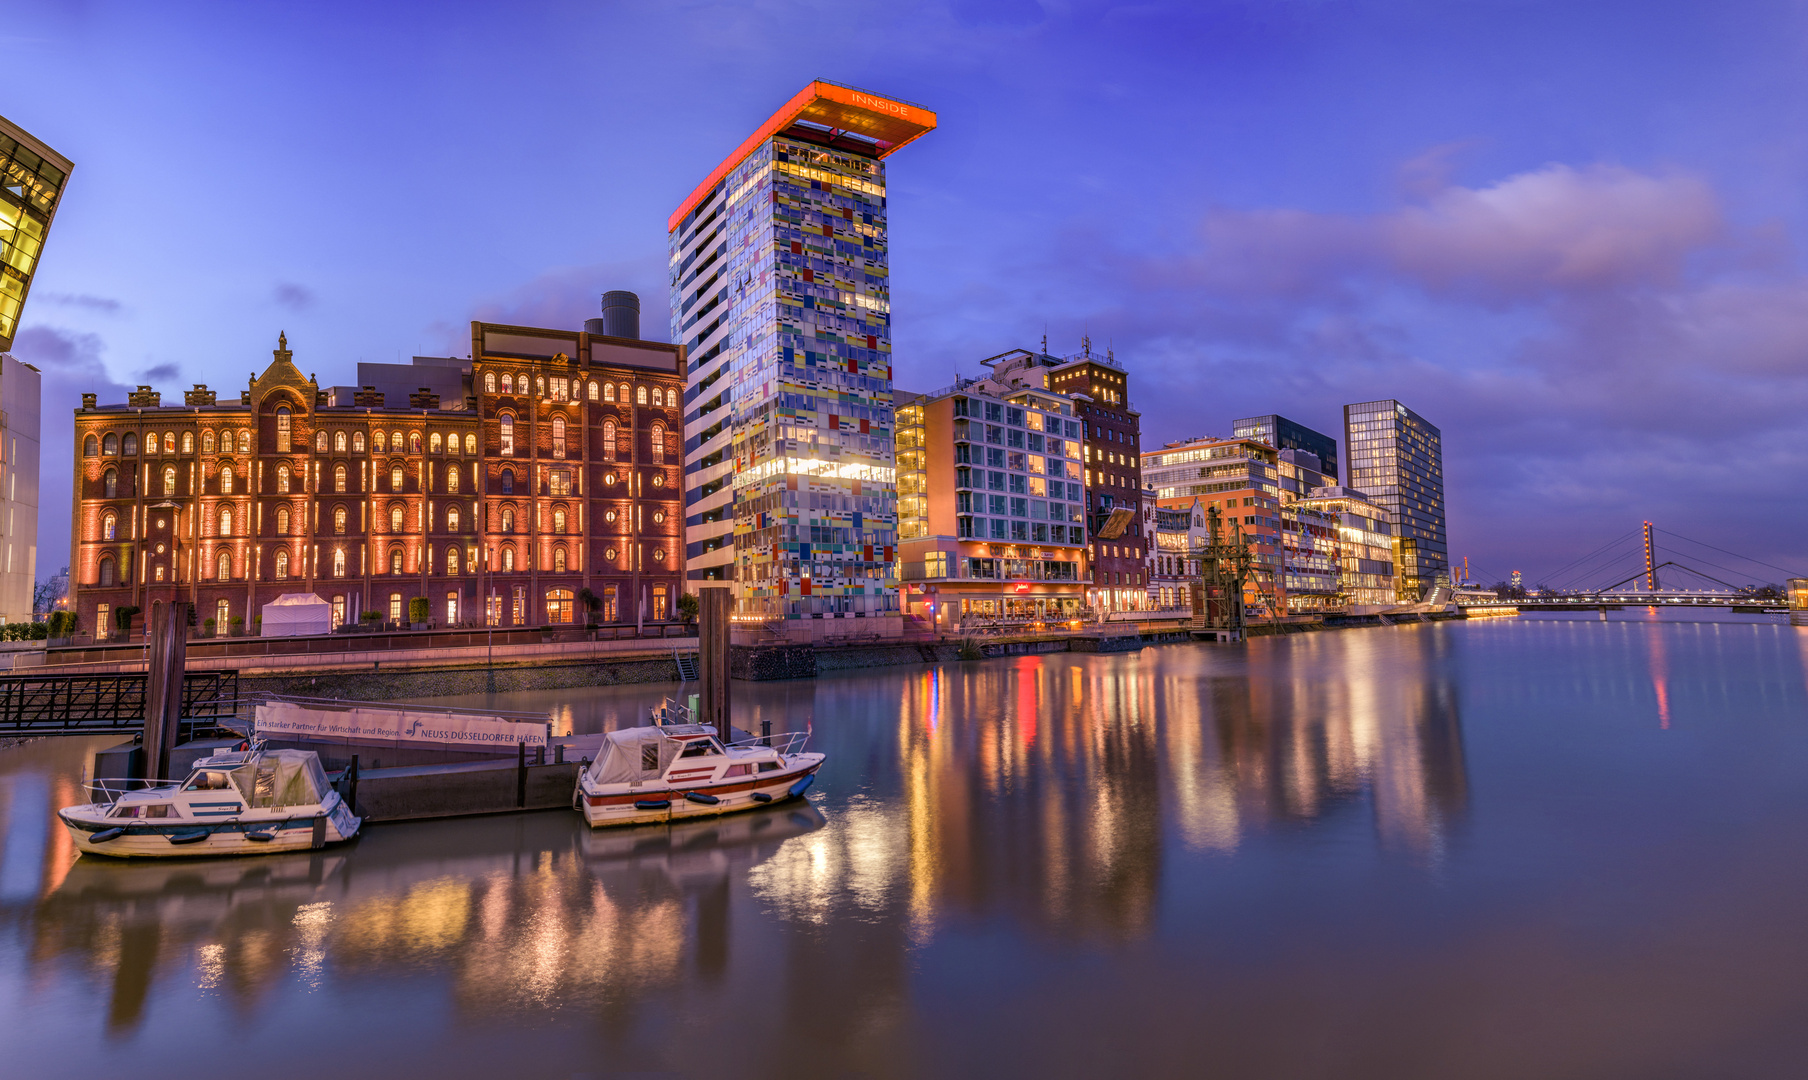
[
  {"x": 1590, "y": 555},
  {"x": 1723, "y": 551}
]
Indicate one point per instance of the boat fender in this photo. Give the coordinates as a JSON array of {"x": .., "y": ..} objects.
[
  {"x": 244, "y": 745},
  {"x": 760, "y": 796},
  {"x": 190, "y": 837},
  {"x": 653, "y": 804},
  {"x": 700, "y": 797},
  {"x": 802, "y": 786},
  {"x": 260, "y": 835},
  {"x": 105, "y": 835}
]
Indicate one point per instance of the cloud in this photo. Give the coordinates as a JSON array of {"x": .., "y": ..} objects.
[
  {"x": 565, "y": 297},
  {"x": 104, "y": 304},
  {"x": 294, "y": 297},
  {"x": 161, "y": 373}
]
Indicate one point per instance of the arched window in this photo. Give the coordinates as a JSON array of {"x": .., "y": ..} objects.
[
  {"x": 508, "y": 560},
  {"x": 188, "y": 442},
  {"x": 508, "y": 481},
  {"x": 508, "y": 435},
  {"x": 608, "y": 440},
  {"x": 207, "y": 442},
  {"x": 106, "y": 570},
  {"x": 223, "y": 568},
  {"x": 225, "y": 521},
  {"x": 452, "y": 478},
  {"x": 395, "y": 519},
  {"x": 109, "y": 527},
  {"x": 434, "y": 442},
  {"x": 508, "y": 384},
  {"x": 226, "y": 480},
  {"x": 558, "y": 521},
  {"x": 110, "y": 444},
  {"x": 558, "y": 560},
  {"x": 283, "y": 430},
  {"x": 608, "y": 391},
  {"x": 558, "y": 605},
  {"x": 339, "y": 476},
  {"x": 339, "y": 520},
  {"x": 539, "y": 384},
  {"x": 339, "y": 441},
  {"x": 169, "y": 479},
  {"x": 338, "y": 562},
  {"x": 624, "y": 393},
  {"x": 245, "y": 441},
  {"x": 471, "y": 444},
  {"x": 452, "y": 561},
  {"x": 671, "y": 397},
  {"x": 90, "y": 446},
  {"x": 282, "y": 479},
  {"x": 451, "y": 519},
  {"x": 395, "y": 560},
  {"x": 489, "y": 382},
  {"x": 593, "y": 391},
  {"x": 658, "y": 443},
  {"x": 169, "y": 442},
  {"x": 150, "y": 443},
  {"x": 414, "y": 442},
  {"x": 508, "y": 521},
  {"x": 282, "y": 564},
  {"x": 357, "y": 442},
  {"x": 110, "y": 484},
  {"x": 395, "y": 478},
  {"x": 131, "y": 445},
  {"x": 640, "y": 397},
  {"x": 379, "y": 441},
  {"x": 558, "y": 436},
  {"x": 320, "y": 442}
]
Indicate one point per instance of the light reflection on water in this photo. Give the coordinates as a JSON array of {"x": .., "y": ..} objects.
[{"x": 1066, "y": 864}]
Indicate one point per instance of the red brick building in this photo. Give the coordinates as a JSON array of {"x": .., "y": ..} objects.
[{"x": 546, "y": 464}]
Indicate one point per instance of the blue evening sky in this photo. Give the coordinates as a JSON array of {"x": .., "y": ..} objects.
[{"x": 1566, "y": 233}]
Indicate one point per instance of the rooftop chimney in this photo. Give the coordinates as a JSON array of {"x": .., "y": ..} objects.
[{"x": 621, "y": 316}]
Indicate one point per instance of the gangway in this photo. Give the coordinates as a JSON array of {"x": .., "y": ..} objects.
[{"x": 107, "y": 704}]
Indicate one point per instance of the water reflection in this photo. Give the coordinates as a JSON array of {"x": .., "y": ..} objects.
[{"x": 1014, "y": 821}]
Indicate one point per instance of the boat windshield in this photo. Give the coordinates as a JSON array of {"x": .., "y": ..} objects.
[{"x": 700, "y": 748}]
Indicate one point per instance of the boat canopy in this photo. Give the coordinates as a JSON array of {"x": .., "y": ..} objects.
[
  {"x": 269, "y": 778},
  {"x": 633, "y": 754}
]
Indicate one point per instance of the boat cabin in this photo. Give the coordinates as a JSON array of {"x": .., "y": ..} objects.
[{"x": 677, "y": 755}]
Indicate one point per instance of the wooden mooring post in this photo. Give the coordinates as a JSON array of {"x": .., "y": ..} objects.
[
  {"x": 712, "y": 657},
  {"x": 163, "y": 686}
]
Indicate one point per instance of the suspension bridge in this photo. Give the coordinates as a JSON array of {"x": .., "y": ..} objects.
[{"x": 1652, "y": 566}]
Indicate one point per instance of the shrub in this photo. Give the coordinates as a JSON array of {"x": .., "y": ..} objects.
[
  {"x": 688, "y": 606},
  {"x": 123, "y": 618},
  {"x": 417, "y": 610}
]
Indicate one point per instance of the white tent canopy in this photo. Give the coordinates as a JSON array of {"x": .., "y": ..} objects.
[{"x": 297, "y": 613}]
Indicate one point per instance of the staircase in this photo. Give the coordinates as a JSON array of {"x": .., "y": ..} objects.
[{"x": 687, "y": 666}]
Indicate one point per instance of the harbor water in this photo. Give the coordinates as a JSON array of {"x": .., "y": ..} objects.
[{"x": 1545, "y": 846}]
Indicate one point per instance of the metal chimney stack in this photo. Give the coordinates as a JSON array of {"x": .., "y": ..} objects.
[{"x": 621, "y": 316}]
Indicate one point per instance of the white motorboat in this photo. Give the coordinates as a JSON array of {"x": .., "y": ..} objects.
[
  {"x": 677, "y": 771},
  {"x": 247, "y": 802}
]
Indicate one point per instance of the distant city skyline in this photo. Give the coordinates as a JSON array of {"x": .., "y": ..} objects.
[{"x": 1568, "y": 236}]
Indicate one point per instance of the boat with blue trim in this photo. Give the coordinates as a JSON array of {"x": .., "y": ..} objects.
[
  {"x": 675, "y": 771},
  {"x": 246, "y": 802}
]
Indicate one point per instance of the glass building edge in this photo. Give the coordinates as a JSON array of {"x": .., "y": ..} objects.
[
  {"x": 788, "y": 400},
  {"x": 32, "y": 180},
  {"x": 1396, "y": 456}
]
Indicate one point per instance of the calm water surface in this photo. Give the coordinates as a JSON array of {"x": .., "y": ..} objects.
[{"x": 1534, "y": 847}]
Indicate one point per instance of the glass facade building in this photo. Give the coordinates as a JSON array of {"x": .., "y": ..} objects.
[
  {"x": 32, "y": 178},
  {"x": 780, "y": 293},
  {"x": 1396, "y": 458},
  {"x": 1283, "y": 434}
]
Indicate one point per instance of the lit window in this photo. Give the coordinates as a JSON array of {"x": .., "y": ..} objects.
[
  {"x": 226, "y": 480},
  {"x": 225, "y": 521},
  {"x": 357, "y": 442},
  {"x": 110, "y": 484},
  {"x": 489, "y": 382},
  {"x": 608, "y": 391},
  {"x": 508, "y": 435},
  {"x": 558, "y": 436},
  {"x": 452, "y": 562},
  {"x": 608, "y": 440},
  {"x": 508, "y": 521},
  {"x": 282, "y": 479},
  {"x": 658, "y": 443},
  {"x": 339, "y": 442},
  {"x": 245, "y": 441},
  {"x": 207, "y": 442},
  {"x": 379, "y": 441},
  {"x": 593, "y": 391},
  {"x": 395, "y": 519},
  {"x": 395, "y": 560},
  {"x": 471, "y": 444},
  {"x": 282, "y": 564},
  {"x": 320, "y": 442},
  {"x": 223, "y": 570},
  {"x": 452, "y": 478},
  {"x": 110, "y": 444},
  {"x": 641, "y": 397},
  {"x": 169, "y": 442},
  {"x": 414, "y": 442},
  {"x": 558, "y": 521},
  {"x": 339, "y": 563},
  {"x": 558, "y": 560},
  {"x": 508, "y": 384},
  {"x": 169, "y": 480},
  {"x": 339, "y": 520},
  {"x": 188, "y": 442},
  {"x": 109, "y": 528},
  {"x": 434, "y": 443},
  {"x": 395, "y": 478},
  {"x": 508, "y": 560},
  {"x": 451, "y": 519},
  {"x": 282, "y": 521},
  {"x": 339, "y": 475}
]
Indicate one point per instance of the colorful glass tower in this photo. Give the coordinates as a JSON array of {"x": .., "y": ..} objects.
[{"x": 780, "y": 292}]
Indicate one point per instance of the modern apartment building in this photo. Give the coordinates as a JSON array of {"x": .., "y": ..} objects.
[
  {"x": 550, "y": 473},
  {"x": 1364, "y": 545},
  {"x": 780, "y": 291},
  {"x": 20, "y": 397},
  {"x": 32, "y": 178},
  {"x": 1240, "y": 478},
  {"x": 1396, "y": 457},
  {"x": 1284, "y": 434},
  {"x": 991, "y": 506}
]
